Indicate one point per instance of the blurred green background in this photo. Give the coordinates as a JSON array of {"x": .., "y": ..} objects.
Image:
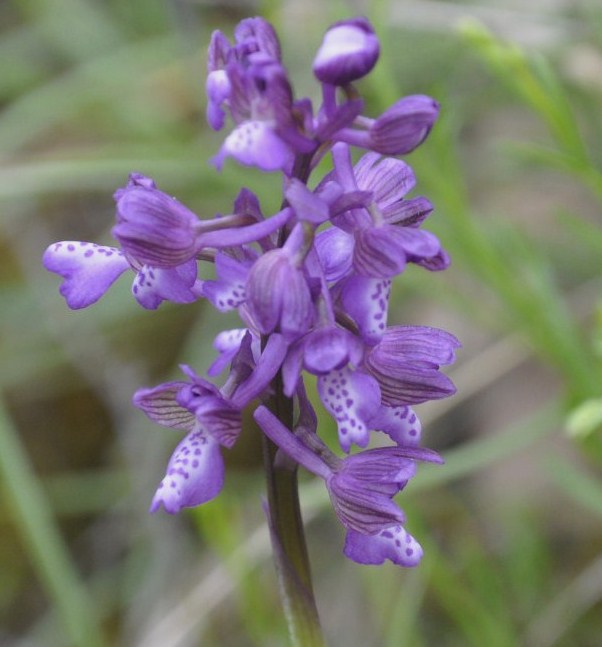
[{"x": 512, "y": 524}]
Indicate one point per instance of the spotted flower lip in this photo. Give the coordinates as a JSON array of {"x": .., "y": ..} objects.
[
  {"x": 195, "y": 473},
  {"x": 394, "y": 543},
  {"x": 88, "y": 270}
]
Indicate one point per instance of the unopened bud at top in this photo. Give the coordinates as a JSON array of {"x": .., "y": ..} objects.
[{"x": 349, "y": 51}]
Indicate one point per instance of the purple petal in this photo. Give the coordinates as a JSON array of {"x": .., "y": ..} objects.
[
  {"x": 378, "y": 252},
  {"x": 389, "y": 179},
  {"x": 401, "y": 424},
  {"x": 88, "y": 270},
  {"x": 335, "y": 251},
  {"x": 278, "y": 295},
  {"x": 227, "y": 344},
  {"x": 436, "y": 263},
  {"x": 290, "y": 444},
  {"x": 267, "y": 366},
  {"x": 135, "y": 180},
  {"x": 431, "y": 346},
  {"x": 394, "y": 543},
  {"x": 349, "y": 51},
  {"x": 218, "y": 89},
  {"x": 406, "y": 364},
  {"x": 154, "y": 285},
  {"x": 154, "y": 228},
  {"x": 404, "y": 126},
  {"x": 364, "y": 507},
  {"x": 408, "y": 213},
  {"x": 329, "y": 348},
  {"x": 258, "y": 37},
  {"x": 220, "y": 418},
  {"x": 228, "y": 292},
  {"x": 255, "y": 143},
  {"x": 306, "y": 205},
  {"x": 353, "y": 201},
  {"x": 161, "y": 406},
  {"x": 416, "y": 243},
  {"x": 217, "y": 53},
  {"x": 381, "y": 465},
  {"x": 195, "y": 474},
  {"x": 352, "y": 398},
  {"x": 367, "y": 301},
  {"x": 382, "y": 252}
]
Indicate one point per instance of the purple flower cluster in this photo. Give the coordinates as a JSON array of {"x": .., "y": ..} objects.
[{"x": 311, "y": 284}]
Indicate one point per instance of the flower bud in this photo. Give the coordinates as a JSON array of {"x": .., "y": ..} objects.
[
  {"x": 404, "y": 126},
  {"x": 349, "y": 51},
  {"x": 256, "y": 39},
  {"x": 278, "y": 295},
  {"x": 406, "y": 364},
  {"x": 153, "y": 228}
]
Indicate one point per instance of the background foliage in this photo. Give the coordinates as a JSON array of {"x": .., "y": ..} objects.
[{"x": 93, "y": 89}]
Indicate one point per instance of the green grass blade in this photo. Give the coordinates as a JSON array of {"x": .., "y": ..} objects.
[{"x": 34, "y": 519}]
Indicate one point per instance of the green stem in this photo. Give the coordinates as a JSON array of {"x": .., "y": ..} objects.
[{"x": 288, "y": 539}]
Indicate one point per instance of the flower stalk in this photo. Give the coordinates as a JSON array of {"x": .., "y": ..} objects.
[{"x": 287, "y": 534}]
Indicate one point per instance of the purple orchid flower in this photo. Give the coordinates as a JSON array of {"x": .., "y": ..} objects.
[
  {"x": 156, "y": 233},
  {"x": 195, "y": 472},
  {"x": 153, "y": 227},
  {"x": 371, "y": 242},
  {"x": 255, "y": 41},
  {"x": 89, "y": 270},
  {"x": 261, "y": 104},
  {"x": 381, "y": 249},
  {"x": 361, "y": 488},
  {"x": 398, "y": 131}
]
